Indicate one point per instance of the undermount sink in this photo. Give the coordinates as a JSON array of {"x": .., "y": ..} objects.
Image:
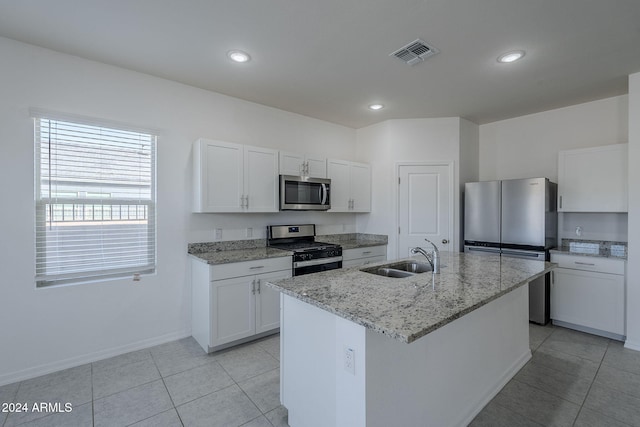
[
  {"x": 390, "y": 272},
  {"x": 412, "y": 266},
  {"x": 399, "y": 269}
]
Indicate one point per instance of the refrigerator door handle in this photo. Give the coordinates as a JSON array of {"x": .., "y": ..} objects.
[{"x": 523, "y": 254}]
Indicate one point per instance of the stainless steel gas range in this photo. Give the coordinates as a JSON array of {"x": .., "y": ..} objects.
[{"x": 309, "y": 256}]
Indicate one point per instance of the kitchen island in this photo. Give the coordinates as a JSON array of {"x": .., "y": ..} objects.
[{"x": 358, "y": 349}]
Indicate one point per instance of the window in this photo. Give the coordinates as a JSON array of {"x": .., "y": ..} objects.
[{"x": 95, "y": 201}]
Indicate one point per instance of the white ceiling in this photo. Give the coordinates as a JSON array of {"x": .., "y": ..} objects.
[{"x": 329, "y": 59}]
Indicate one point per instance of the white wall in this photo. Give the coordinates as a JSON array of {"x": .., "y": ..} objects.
[
  {"x": 633, "y": 263},
  {"x": 527, "y": 146},
  {"x": 52, "y": 328},
  {"x": 386, "y": 144}
]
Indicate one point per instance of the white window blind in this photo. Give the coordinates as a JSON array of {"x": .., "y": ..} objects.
[{"x": 95, "y": 202}]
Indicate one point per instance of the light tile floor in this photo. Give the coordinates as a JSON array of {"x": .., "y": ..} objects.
[
  {"x": 174, "y": 384},
  {"x": 573, "y": 379}
]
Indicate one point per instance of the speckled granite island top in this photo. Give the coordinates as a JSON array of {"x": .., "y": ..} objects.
[{"x": 408, "y": 308}]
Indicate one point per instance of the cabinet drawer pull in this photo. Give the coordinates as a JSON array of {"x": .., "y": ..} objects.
[
  {"x": 256, "y": 267},
  {"x": 366, "y": 252},
  {"x": 585, "y": 263}
]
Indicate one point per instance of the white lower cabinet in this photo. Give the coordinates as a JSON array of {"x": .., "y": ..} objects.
[
  {"x": 588, "y": 294},
  {"x": 230, "y": 302},
  {"x": 361, "y": 256}
]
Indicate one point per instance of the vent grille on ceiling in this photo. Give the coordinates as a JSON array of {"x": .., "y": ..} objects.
[{"x": 415, "y": 52}]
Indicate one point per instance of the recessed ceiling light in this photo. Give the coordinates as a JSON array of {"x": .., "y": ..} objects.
[
  {"x": 376, "y": 107},
  {"x": 512, "y": 56},
  {"x": 238, "y": 56}
]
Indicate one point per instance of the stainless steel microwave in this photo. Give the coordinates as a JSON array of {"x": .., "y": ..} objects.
[{"x": 303, "y": 193}]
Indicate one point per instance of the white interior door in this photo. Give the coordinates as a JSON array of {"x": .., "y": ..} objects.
[{"x": 424, "y": 210}]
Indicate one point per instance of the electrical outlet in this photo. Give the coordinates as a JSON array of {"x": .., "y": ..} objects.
[
  {"x": 249, "y": 232},
  {"x": 349, "y": 360},
  {"x": 218, "y": 234},
  {"x": 578, "y": 230}
]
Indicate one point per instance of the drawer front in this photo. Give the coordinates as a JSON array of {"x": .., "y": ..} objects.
[
  {"x": 587, "y": 263},
  {"x": 370, "y": 251},
  {"x": 249, "y": 268}
]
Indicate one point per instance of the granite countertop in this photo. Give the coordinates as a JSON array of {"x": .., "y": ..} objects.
[
  {"x": 239, "y": 255},
  {"x": 234, "y": 251},
  {"x": 409, "y": 308},
  {"x": 354, "y": 240},
  {"x": 249, "y": 250},
  {"x": 592, "y": 248}
]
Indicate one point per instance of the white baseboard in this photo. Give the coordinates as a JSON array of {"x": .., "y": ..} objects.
[
  {"x": 502, "y": 381},
  {"x": 71, "y": 362}
]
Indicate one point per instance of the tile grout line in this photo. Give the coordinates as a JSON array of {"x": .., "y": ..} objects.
[
  {"x": 537, "y": 388},
  {"x": 592, "y": 382},
  {"x": 175, "y": 408},
  {"x": 93, "y": 410},
  {"x": 15, "y": 395},
  {"x": 245, "y": 393}
]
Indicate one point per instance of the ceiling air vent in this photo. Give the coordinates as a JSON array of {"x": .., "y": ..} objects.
[{"x": 415, "y": 52}]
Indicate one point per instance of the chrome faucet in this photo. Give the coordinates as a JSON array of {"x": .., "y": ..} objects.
[{"x": 434, "y": 259}]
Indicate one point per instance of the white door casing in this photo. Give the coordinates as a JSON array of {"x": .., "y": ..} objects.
[{"x": 425, "y": 207}]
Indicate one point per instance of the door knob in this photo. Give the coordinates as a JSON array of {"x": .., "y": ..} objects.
[{"x": 445, "y": 241}]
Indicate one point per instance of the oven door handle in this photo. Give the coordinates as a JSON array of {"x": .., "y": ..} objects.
[
  {"x": 319, "y": 261},
  {"x": 323, "y": 194}
]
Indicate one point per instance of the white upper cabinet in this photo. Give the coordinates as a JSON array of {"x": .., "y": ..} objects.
[
  {"x": 232, "y": 177},
  {"x": 302, "y": 165},
  {"x": 593, "y": 179},
  {"x": 260, "y": 179},
  {"x": 350, "y": 186}
]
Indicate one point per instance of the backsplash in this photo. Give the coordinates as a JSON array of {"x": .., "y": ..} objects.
[{"x": 595, "y": 247}]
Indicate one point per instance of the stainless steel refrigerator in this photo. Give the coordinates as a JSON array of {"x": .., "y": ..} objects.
[{"x": 514, "y": 218}]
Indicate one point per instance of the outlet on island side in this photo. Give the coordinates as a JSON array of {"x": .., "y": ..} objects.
[
  {"x": 218, "y": 234},
  {"x": 349, "y": 360}
]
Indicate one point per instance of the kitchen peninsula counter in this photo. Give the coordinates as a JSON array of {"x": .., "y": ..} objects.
[{"x": 363, "y": 350}]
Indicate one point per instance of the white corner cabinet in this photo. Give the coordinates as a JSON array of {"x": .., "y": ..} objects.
[
  {"x": 593, "y": 179},
  {"x": 588, "y": 294},
  {"x": 302, "y": 165},
  {"x": 231, "y": 303},
  {"x": 350, "y": 186},
  {"x": 361, "y": 256},
  {"x": 232, "y": 177}
]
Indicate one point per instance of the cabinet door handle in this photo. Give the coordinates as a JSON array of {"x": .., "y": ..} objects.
[
  {"x": 253, "y": 286},
  {"x": 246, "y": 198},
  {"x": 584, "y": 263},
  {"x": 255, "y": 267},
  {"x": 259, "y": 283},
  {"x": 560, "y": 202}
]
